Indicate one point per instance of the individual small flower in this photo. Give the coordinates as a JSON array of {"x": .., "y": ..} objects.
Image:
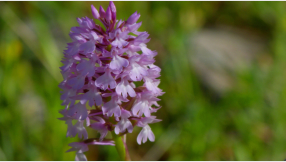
[
  {"x": 106, "y": 81},
  {"x": 119, "y": 38},
  {"x": 76, "y": 82},
  {"x": 136, "y": 70},
  {"x": 124, "y": 123},
  {"x": 92, "y": 95},
  {"x": 80, "y": 148},
  {"x": 124, "y": 88},
  {"x": 118, "y": 62},
  {"x": 143, "y": 104},
  {"x": 100, "y": 68},
  {"x": 100, "y": 126},
  {"x": 145, "y": 133},
  {"x": 89, "y": 45},
  {"x": 112, "y": 107},
  {"x": 80, "y": 129},
  {"x": 78, "y": 111},
  {"x": 86, "y": 68}
]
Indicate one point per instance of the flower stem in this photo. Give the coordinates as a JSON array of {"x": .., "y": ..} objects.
[
  {"x": 120, "y": 147},
  {"x": 127, "y": 157}
]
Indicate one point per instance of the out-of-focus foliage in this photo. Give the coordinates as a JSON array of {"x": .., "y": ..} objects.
[{"x": 248, "y": 122}]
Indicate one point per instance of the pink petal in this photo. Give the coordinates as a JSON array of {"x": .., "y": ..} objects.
[
  {"x": 87, "y": 47},
  {"x": 118, "y": 62},
  {"x": 110, "y": 108},
  {"x": 105, "y": 80},
  {"x": 119, "y": 42},
  {"x": 124, "y": 87}
]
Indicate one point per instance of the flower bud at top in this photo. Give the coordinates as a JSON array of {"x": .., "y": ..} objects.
[
  {"x": 94, "y": 12},
  {"x": 108, "y": 14},
  {"x": 113, "y": 10},
  {"x": 133, "y": 18},
  {"x": 101, "y": 12},
  {"x": 112, "y": 6}
]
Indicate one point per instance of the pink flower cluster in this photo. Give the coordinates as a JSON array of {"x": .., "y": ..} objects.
[{"x": 99, "y": 71}]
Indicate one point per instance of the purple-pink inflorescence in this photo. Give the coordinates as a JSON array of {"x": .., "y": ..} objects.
[{"x": 99, "y": 71}]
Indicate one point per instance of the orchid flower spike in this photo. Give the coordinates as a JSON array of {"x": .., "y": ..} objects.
[{"x": 100, "y": 67}]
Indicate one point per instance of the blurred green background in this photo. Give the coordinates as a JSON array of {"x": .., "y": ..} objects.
[{"x": 223, "y": 71}]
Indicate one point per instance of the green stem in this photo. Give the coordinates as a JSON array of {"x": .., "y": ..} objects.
[{"x": 119, "y": 145}]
